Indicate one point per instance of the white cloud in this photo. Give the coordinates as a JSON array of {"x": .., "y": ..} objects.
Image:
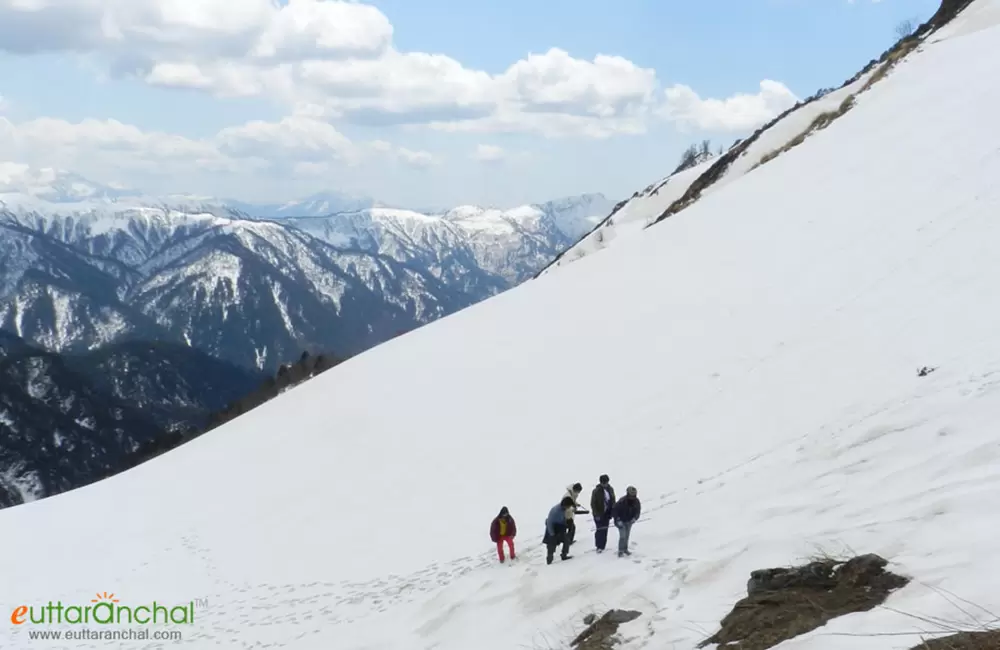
[
  {"x": 409, "y": 157},
  {"x": 295, "y": 137},
  {"x": 306, "y": 28},
  {"x": 104, "y": 137},
  {"x": 335, "y": 55},
  {"x": 315, "y": 169},
  {"x": 16, "y": 175},
  {"x": 548, "y": 125},
  {"x": 195, "y": 30},
  {"x": 48, "y": 182},
  {"x": 550, "y": 93},
  {"x": 338, "y": 58},
  {"x": 418, "y": 159},
  {"x": 295, "y": 144},
  {"x": 555, "y": 82},
  {"x": 331, "y": 67},
  {"x": 488, "y": 153},
  {"x": 739, "y": 112}
]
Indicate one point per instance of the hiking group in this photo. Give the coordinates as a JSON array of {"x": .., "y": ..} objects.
[{"x": 560, "y": 525}]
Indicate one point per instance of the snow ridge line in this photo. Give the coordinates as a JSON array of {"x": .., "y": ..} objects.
[
  {"x": 949, "y": 10},
  {"x": 600, "y": 224}
]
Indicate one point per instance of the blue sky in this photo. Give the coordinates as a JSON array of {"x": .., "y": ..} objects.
[{"x": 431, "y": 103}]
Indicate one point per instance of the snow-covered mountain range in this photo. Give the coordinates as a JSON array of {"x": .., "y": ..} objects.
[
  {"x": 83, "y": 265},
  {"x": 468, "y": 246},
  {"x": 317, "y": 205},
  {"x": 749, "y": 363}
]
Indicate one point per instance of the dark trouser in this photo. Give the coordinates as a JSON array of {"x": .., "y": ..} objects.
[
  {"x": 601, "y": 534},
  {"x": 624, "y": 530},
  {"x": 570, "y": 530},
  {"x": 552, "y": 541}
]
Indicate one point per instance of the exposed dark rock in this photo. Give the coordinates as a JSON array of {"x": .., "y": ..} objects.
[
  {"x": 783, "y": 603},
  {"x": 944, "y": 15},
  {"x": 979, "y": 640},
  {"x": 600, "y": 633}
]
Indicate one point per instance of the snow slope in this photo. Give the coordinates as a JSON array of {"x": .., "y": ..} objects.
[
  {"x": 647, "y": 207},
  {"x": 749, "y": 364},
  {"x": 636, "y": 213}
]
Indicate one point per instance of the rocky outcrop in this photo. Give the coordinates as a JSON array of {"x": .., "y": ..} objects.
[
  {"x": 783, "y": 603},
  {"x": 978, "y": 640},
  {"x": 601, "y": 632}
]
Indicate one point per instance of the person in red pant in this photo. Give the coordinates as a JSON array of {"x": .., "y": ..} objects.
[{"x": 502, "y": 531}]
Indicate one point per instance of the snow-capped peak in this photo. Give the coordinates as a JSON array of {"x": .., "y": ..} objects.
[
  {"x": 55, "y": 185},
  {"x": 465, "y": 212},
  {"x": 572, "y": 216}
]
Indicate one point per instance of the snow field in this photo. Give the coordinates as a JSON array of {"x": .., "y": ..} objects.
[{"x": 749, "y": 364}]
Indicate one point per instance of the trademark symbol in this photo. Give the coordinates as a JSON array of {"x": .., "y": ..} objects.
[{"x": 201, "y": 602}]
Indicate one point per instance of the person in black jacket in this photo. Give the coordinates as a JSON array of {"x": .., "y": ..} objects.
[
  {"x": 626, "y": 512},
  {"x": 602, "y": 500}
]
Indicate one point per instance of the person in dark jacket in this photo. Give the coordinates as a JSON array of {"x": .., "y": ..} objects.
[
  {"x": 555, "y": 530},
  {"x": 602, "y": 500},
  {"x": 626, "y": 512},
  {"x": 502, "y": 531}
]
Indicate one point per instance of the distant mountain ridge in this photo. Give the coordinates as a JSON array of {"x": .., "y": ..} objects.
[
  {"x": 84, "y": 265},
  {"x": 67, "y": 420},
  {"x": 316, "y": 205}
]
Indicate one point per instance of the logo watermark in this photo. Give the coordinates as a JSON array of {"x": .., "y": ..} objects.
[
  {"x": 106, "y": 609},
  {"x": 87, "y": 634}
]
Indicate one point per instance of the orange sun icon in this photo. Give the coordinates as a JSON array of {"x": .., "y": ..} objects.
[{"x": 104, "y": 596}]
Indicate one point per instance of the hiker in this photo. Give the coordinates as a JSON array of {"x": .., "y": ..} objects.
[
  {"x": 502, "y": 531},
  {"x": 573, "y": 492},
  {"x": 626, "y": 512},
  {"x": 602, "y": 501},
  {"x": 555, "y": 530}
]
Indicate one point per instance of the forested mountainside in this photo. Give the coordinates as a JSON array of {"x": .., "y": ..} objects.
[{"x": 69, "y": 419}]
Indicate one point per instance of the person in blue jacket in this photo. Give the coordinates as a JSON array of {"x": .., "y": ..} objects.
[
  {"x": 626, "y": 512},
  {"x": 555, "y": 530}
]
